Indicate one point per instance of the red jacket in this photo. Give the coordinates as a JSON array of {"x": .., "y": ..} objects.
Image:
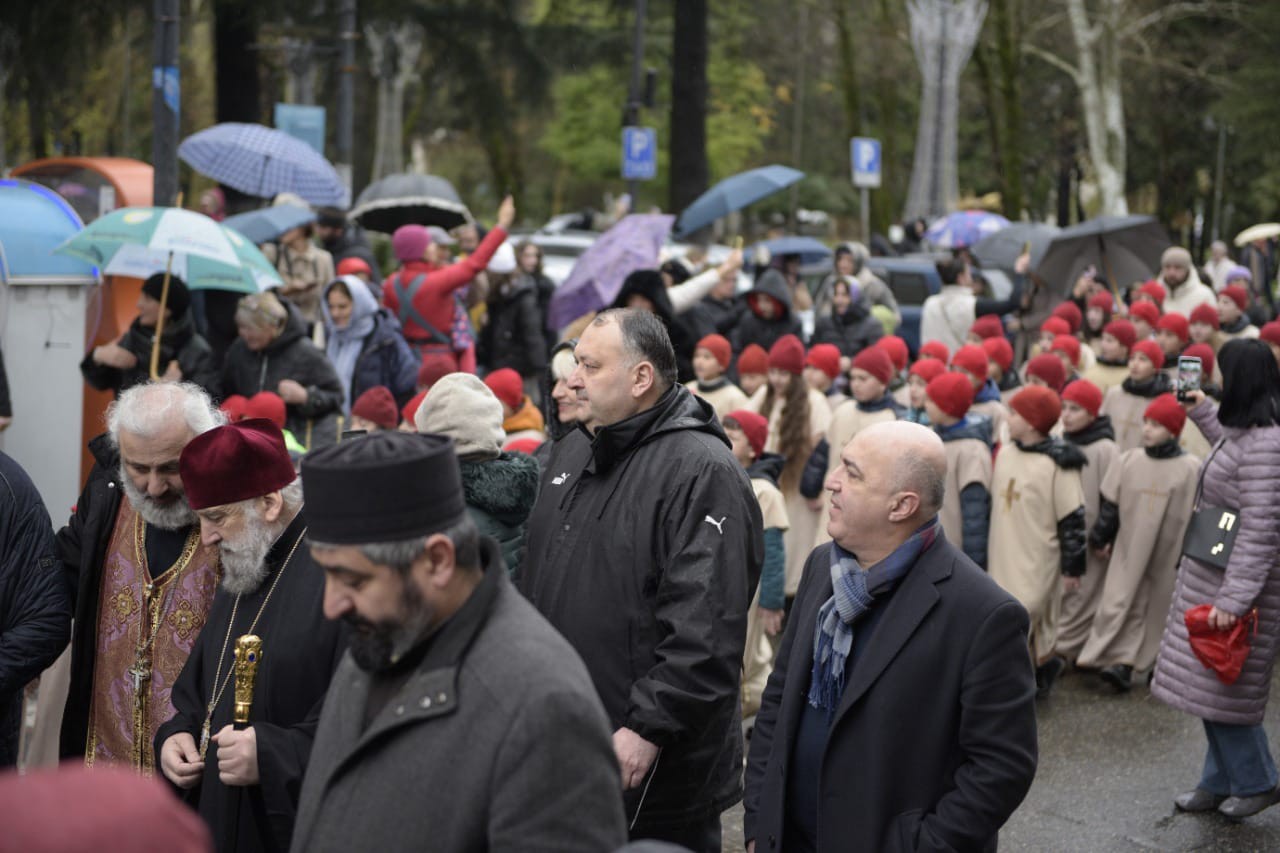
[{"x": 435, "y": 298}]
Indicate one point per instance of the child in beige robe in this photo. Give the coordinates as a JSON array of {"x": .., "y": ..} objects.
[
  {"x": 1112, "y": 367},
  {"x": 1147, "y": 498},
  {"x": 1090, "y": 431},
  {"x": 710, "y": 360},
  {"x": 966, "y": 504},
  {"x": 1036, "y": 545},
  {"x": 1125, "y": 403}
]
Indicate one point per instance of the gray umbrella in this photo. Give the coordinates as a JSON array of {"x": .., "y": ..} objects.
[
  {"x": 406, "y": 199},
  {"x": 1001, "y": 249}
]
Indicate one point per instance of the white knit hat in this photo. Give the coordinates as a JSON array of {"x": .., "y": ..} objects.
[
  {"x": 462, "y": 407},
  {"x": 503, "y": 260}
]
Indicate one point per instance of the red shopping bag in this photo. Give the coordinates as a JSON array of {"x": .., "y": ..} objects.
[{"x": 1224, "y": 652}]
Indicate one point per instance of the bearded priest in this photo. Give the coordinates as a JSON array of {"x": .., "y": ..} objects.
[{"x": 244, "y": 779}]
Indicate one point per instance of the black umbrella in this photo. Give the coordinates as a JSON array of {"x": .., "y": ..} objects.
[
  {"x": 1001, "y": 249},
  {"x": 406, "y": 199}
]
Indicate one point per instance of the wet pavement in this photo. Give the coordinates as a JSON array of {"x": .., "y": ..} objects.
[{"x": 1109, "y": 769}]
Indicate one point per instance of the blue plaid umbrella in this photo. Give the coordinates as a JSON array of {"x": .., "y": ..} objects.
[
  {"x": 263, "y": 162},
  {"x": 964, "y": 228}
]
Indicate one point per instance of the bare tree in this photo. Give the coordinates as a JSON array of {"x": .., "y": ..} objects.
[{"x": 395, "y": 50}]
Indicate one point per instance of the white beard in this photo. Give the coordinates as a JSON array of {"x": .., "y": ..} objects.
[
  {"x": 173, "y": 517},
  {"x": 244, "y": 561}
]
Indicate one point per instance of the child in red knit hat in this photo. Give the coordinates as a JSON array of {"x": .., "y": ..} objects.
[
  {"x": 1112, "y": 365},
  {"x": 1126, "y": 402},
  {"x": 920, "y": 375},
  {"x": 711, "y": 358},
  {"x": 1144, "y": 316},
  {"x": 1233, "y": 302},
  {"x": 747, "y": 433},
  {"x": 1037, "y": 536},
  {"x": 1146, "y": 501},
  {"x": 822, "y": 369},
  {"x": 987, "y": 401},
  {"x": 966, "y": 507},
  {"x": 1084, "y": 426},
  {"x": 753, "y": 369}
]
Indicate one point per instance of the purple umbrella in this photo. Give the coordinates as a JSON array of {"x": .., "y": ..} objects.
[{"x": 631, "y": 244}]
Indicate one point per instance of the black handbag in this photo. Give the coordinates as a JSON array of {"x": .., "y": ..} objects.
[{"x": 1211, "y": 533}]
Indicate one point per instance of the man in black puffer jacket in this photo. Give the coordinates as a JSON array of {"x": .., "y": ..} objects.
[
  {"x": 35, "y": 609},
  {"x": 644, "y": 550}
]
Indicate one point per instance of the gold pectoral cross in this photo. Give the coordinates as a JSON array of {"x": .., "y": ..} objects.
[
  {"x": 1010, "y": 495},
  {"x": 140, "y": 672}
]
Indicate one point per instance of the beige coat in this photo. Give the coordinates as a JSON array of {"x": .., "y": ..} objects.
[
  {"x": 968, "y": 462},
  {"x": 1155, "y": 497},
  {"x": 804, "y": 522},
  {"x": 1030, "y": 494},
  {"x": 728, "y": 398},
  {"x": 1106, "y": 376},
  {"x": 1126, "y": 411},
  {"x": 1078, "y": 607},
  {"x": 757, "y": 655}
]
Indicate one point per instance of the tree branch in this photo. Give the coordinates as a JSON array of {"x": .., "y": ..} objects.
[
  {"x": 1171, "y": 12},
  {"x": 1053, "y": 59}
]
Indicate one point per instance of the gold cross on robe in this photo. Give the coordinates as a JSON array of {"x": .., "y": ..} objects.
[{"x": 1010, "y": 495}]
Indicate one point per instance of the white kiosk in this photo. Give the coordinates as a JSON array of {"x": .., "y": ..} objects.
[{"x": 43, "y": 299}]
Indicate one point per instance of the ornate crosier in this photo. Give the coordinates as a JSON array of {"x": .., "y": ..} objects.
[{"x": 248, "y": 656}]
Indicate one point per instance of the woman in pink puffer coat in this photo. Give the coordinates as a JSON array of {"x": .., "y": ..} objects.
[{"x": 1242, "y": 472}]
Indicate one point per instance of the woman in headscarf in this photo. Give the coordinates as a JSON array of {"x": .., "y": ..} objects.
[{"x": 364, "y": 343}]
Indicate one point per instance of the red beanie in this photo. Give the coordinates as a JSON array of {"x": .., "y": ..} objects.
[
  {"x": 928, "y": 368},
  {"x": 1155, "y": 290},
  {"x": 754, "y": 426},
  {"x": 1070, "y": 312},
  {"x": 1150, "y": 350},
  {"x": 952, "y": 392},
  {"x": 935, "y": 349},
  {"x": 787, "y": 354},
  {"x": 1102, "y": 301},
  {"x": 1177, "y": 324},
  {"x": 1000, "y": 351},
  {"x": 1048, "y": 368},
  {"x": 972, "y": 359},
  {"x": 377, "y": 405},
  {"x": 753, "y": 359},
  {"x": 987, "y": 326},
  {"x": 1168, "y": 412},
  {"x": 507, "y": 386},
  {"x": 1123, "y": 331},
  {"x": 825, "y": 357},
  {"x": 1205, "y": 313},
  {"x": 435, "y": 366},
  {"x": 1070, "y": 345},
  {"x": 1204, "y": 352},
  {"x": 410, "y": 409},
  {"x": 876, "y": 362},
  {"x": 1237, "y": 294},
  {"x": 1055, "y": 326},
  {"x": 1145, "y": 311},
  {"x": 896, "y": 348},
  {"x": 234, "y": 463},
  {"x": 234, "y": 408},
  {"x": 353, "y": 266},
  {"x": 1038, "y": 406},
  {"x": 1270, "y": 332},
  {"x": 266, "y": 404},
  {"x": 718, "y": 346},
  {"x": 1085, "y": 394}
]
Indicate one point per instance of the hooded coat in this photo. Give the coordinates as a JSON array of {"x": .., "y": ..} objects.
[
  {"x": 645, "y": 547},
  {"x": 1240, "y": 474},
  {"x": 500, "y": 494},
  {"x": 514, "y": 336},
  {"x": 180, "y": 341},
  {"x": 754, "y": 329},
  {"x": 381, "y": 354},
  {"x": 853, "y": 331},
  {"x": 317, "y": 422},
  {"x": 35, "y": 613}
]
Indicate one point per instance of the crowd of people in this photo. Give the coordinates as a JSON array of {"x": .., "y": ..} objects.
[{"x": 532, "y": 581}]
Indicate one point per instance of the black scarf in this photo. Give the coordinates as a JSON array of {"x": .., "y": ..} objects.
[
  {"x": 1099, "y": 429},
  {"x": 1066, "y": 456},
  {"x": 1147, "y": 388},
  {"x": 885, "y": 402},
  {"x": 1106, "y": 362},
  {"x": 1167, "y": 450},
  {"x": 1241, "y": 323},
  {"x": 714, "y": 385}
]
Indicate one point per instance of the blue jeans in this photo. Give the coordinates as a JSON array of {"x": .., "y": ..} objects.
[{"x": 1238, "y": 762}]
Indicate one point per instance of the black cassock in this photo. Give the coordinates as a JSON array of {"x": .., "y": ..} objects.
[{"x": 300, "y": 650}]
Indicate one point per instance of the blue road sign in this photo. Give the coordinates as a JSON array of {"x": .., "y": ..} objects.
[
  {"x": 639, "y": 153},
  {"x": 864, "y": 154}
]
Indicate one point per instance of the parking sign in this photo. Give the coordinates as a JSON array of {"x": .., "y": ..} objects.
[
  {"x": 639, "y": 153},
  {"x": 864, "y": 154}
]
